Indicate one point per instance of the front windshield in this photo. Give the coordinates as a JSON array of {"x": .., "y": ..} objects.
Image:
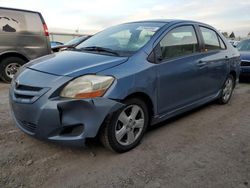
[
  {"x": 123, "y": 39},
  {"x": 244, "y": 45}
]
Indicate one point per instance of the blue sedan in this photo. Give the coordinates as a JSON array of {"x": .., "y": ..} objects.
[
  {"x": 122, "y": 80},
  {"x": 244, "y": 49}
]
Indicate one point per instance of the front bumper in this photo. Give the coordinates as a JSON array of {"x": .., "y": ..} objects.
[{"x": 67, "y": 121}]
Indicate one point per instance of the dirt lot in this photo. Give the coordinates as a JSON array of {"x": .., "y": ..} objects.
[{"x": 209, "y": 147}]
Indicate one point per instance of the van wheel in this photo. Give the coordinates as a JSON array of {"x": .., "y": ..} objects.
[
  {"x": 9, "y": 66},
  {"x": 125, "y": 128},
  {"x": 227, "y": 90}
]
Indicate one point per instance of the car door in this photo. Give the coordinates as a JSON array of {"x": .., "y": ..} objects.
[
  {"x": 216, "y": 59},
  {"x": 179, "y": 74}
]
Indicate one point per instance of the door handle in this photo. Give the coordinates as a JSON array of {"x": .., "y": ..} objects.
[{"x": 201, "y": 63}]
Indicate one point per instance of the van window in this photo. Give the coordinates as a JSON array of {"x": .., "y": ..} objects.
[
  {"x": 179, "y": 42},
  {"x": 33, "y": 22},
  {"x": 14, "y": 22},
  {"x": 210, "y": 39},
  {"x": 10, "y": 21}
]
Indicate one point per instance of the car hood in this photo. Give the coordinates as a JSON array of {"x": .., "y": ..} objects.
[
  {"x": 74, "y": 63},
  {"x": 245, "y": 55}
]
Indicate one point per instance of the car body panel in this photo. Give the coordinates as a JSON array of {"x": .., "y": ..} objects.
[
  {"x": 244, "y": 49},
  {"x": 245, "y": 64},
  {"x": 74, "y": 64},
  {"x": 170, "y": 78},
  {"x": 45, "y": 118}
]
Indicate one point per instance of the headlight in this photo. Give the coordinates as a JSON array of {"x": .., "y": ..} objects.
[{"x": 88, "y": 86}]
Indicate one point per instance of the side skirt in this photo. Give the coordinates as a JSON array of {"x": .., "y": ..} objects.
[{"x": 160, "y": 118}]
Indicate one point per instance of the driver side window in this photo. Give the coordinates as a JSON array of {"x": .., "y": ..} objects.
[{"x": 179, "y": 42}]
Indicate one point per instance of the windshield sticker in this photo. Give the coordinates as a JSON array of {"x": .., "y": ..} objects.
[{"x": 152, "y": 29}]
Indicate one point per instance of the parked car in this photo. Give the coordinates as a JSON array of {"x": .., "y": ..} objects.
[
  {"x": 23, "y": 36},
  {"x": 244, "y": 49},
  {"x": 231, "y": 42},
  {"x": 123, "y": 79},
  {"x": 54, "y": 44},
  {"x": 71, "y": 44},
  {"x": 235, "y": 44}
]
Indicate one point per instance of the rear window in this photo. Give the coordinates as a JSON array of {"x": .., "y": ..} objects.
[{"x": 13, "y": 22}]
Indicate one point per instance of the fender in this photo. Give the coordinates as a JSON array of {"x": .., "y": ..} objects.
[{"x": 9, "y": 52}]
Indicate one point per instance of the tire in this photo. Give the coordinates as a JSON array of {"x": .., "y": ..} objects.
[
  {"x": 9, "y": 66},
  {"x": 122, "y": 130},
  {"x": 227, "y": 90}
]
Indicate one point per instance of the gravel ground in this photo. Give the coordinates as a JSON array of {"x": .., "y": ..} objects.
[{"x": 208, "y": 147}]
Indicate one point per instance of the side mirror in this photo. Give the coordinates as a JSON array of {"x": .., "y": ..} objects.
[
  {"x": 155, "y": 56},
  {"x": 158, "y": 54}
]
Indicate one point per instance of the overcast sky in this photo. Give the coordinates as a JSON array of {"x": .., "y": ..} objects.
[{"x": 94, "y": 15}]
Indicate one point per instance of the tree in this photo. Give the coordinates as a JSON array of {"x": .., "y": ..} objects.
[
  {"x": 225, "y": 34},
  {"x": 232, "y": 36},
  {"x": 248, "y": 34}
]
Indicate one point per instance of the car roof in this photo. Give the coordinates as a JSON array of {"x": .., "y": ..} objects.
[
  {"x": 172, "y": 21},
  {"x": 167, "y": 21},
  {"x": 15, "y": 9}
]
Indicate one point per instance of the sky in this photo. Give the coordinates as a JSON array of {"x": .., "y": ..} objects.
[{"x": 90, "y": 16}]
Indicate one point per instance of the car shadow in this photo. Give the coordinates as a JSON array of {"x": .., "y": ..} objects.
[
  {"x": 169, "y": 121},
  {"x": 245, "y": 80}
]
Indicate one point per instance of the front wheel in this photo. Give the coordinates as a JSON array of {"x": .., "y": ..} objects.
[
  {"x": 227, "y": 90},
  {"x": 126, "y": 127},
  {"x": 9, "y": 66}
]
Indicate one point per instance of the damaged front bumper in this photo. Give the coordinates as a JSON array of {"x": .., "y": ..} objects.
[{"x": 67, "y": 121}]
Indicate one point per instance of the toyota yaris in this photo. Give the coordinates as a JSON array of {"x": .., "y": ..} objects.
[{"x": 122, "y": 80}]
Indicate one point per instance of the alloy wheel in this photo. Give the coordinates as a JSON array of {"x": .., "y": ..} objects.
[
  {"x": 129, "y": 125},
  {"x": 228, "y": 89},
  {"x": 11, "y": 69}
]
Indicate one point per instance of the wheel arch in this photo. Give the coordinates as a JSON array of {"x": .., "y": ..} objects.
[
  {"x": 233, "y": 73},
  {"x": 13, "y": 54},
  {"x": 145, "y": 98}
]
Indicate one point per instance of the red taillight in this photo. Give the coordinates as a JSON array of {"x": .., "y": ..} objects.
[{"x": 46, "y": 31}]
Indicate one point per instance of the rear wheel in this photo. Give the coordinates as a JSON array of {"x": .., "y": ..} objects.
[
  {"x": 227, "y": 90},
  {"x": 126, "y": 127},
  {"x": 9, "y": 66}
]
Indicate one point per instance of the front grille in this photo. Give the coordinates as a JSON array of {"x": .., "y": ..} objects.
[
  {"x": 245, "y": 63},
  {"x": 30, "y": 127},
  {"x": 27, "y": 94}
]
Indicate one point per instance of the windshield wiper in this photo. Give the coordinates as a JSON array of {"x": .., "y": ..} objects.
[{"x": 100, "y": 49}]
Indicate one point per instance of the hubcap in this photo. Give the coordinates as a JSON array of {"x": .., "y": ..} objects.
[
  {"x": 227, "y": 91},
  {"x": 129, "y": 125},
  {"x": 11, "y": 69}
]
